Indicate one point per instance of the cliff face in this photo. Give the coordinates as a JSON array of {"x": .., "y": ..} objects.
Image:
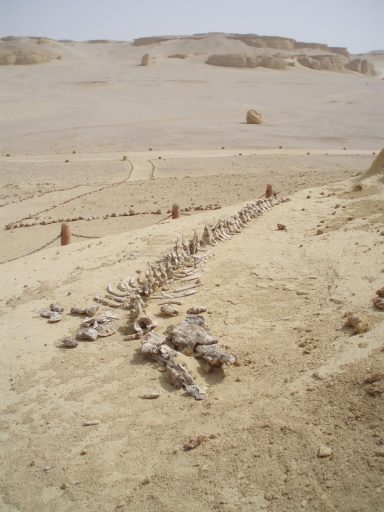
[{"x": 274, "y": 42}]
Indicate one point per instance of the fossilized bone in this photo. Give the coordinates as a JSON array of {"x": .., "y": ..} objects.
[
  {"x": 168, "y": 310},
  {"x": 207, "y": 238},
  {"x": 104, "y": 318},
  {"x": 154, "y": 345},
  {"x": 196, "y": 310},
  {"x": 87, "y": 334},
  {"x": 88, "y": 310},
  {"x": 214, "y": 356},
  {"x": 116, "y": 293},
  {"x": 139, "y": 322},
  {"x": 188, "y": 334},
  {"x": 106, "y": 302},
  {"x": 191, "y": 277},
  {"x": 53, "y": 313}
]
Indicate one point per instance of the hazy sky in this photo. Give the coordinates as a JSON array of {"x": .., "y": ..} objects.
[{"x": 357, "y": 24}]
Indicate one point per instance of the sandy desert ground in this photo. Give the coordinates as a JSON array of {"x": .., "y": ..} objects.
[{"x": 96, "y": 140}]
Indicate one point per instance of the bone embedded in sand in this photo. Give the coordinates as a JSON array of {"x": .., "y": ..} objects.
[
  {"x": 88, "y": 310},
  {"x": 168, "y": 310}
]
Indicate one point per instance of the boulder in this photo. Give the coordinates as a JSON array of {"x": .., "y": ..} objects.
[
  {"x": 147, "y": 60},
  {"x": 254, "y": 117}
]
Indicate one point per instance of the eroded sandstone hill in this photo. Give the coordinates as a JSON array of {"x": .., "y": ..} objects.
[{"x": 217, "y": 49}]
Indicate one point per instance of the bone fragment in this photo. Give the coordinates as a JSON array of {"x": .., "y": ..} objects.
[
  {"x": 54, "y": 317},
  {"x": 116, "y": 293},
  {"x": 87, "y": 334},
  {"x": 106, "y": 302},
  {"x": 186, "y": 288},
  {"x": 188, "y": 334},
  {"x": 56, "y": 308},
  {"x": 69, "y": 342},
  {"x": 176, "y": 302},
  {"x": 196, "y": 310},
  {"x": 168, "y": 310},
  {"x": 88, "y": 311},
  {"x": 191, "y": 277},
  {"x": 214, "y": 356},
  {"x": 178, "y": 375},
  {"x": 91, "y": 423},
  {"x": 106, "y": 329},
  {"x": 150, "y": 396},
  {"x": 195, "y": 392}
]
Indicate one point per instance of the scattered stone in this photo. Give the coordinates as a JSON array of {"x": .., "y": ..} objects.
[
  {"x": 168, "y": 310},
  {"x": 320, "y": 232},
  {"x": 380, "y": 292},
  {"x": 196, "y": 310},
  {"x": 63, "y": 486},
  {"x": 281, "y": 227},
  {"x": 374, "y": 377},
  {"x": 357, "y": 188},
  {"x": 83, "y": 452},
  {"x": 87, "y": 334},
  {"x": 324, "y": 451},
  {"x": 194, "y": 443},
  {"x": 358, "y": 325},
  {"x": 69, "y": 342},
  {"x": 378, "y": 302}
]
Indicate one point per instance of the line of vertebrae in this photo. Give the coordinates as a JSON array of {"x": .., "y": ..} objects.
[{"x": 184, "y": 262}]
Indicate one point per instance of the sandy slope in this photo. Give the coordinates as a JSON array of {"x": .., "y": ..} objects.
[
  {"x": 277, "y": 300},
  {"x": 98, "y": 98}
]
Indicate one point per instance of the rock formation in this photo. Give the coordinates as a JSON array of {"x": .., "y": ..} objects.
[
  {"x": 254, "y": 117},
  {"x": 361, "y": 66},
  {"x": 377, "y": 166},
  {"x": 147, "y": 60},
  {"x": 242, "y": 60}
]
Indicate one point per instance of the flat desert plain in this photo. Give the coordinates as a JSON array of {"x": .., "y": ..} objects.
[{"x": 91, "y": 137}]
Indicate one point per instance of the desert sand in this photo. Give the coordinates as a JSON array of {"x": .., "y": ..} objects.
[{"x": 91, "y": 137}]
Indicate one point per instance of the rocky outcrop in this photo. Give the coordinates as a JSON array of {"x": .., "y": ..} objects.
[
  {"x": 322, "y": 62},
  {"x": 361, "y": 66},
  {"x": 147, "y": 60},
  {"x": 25, "y": 58},
  {"x": 377, "y": 167},
  {"x": 230, "y": 60},
  {"x": 254, "y": 117},
  {"x": 242, "y": 60},
  {"x": 266, "y": 61}
]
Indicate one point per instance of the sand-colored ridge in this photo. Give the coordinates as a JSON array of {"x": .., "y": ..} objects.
[{"x": 377, "y": 166}]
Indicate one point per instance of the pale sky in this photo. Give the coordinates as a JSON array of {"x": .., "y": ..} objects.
[{"x": 356, "y": 24}]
